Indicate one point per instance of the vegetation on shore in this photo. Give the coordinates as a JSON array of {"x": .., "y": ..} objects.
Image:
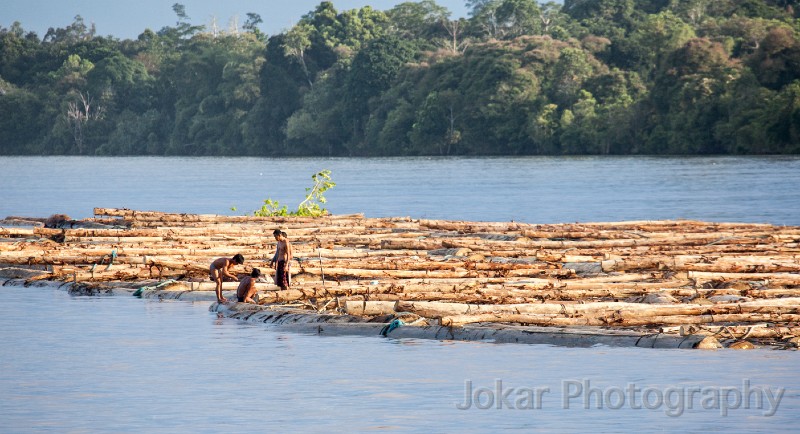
[{"x": 515, "y": 78}]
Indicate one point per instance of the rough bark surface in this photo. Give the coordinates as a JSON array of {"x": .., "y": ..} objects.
[{"x": 727, "y": 280}]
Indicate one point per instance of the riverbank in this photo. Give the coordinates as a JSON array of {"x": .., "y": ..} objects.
[{"x": 646, "y": 283}]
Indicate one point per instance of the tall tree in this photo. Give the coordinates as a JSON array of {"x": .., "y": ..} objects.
[
  {"x": 295, "y": 44},
  {"x": 251, "y": 25},
  {"x": 520, "y": 17},
  {"x": 417, "y": 20}
]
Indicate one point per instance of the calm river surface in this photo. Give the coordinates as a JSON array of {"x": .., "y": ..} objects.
[
  {"x": 121, "y": 364},
  {"x": 533, "y": 190}
]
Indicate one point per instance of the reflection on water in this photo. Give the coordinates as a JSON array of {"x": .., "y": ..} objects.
[
  {"x": 533, "y": 189},
  {"x": 83, "y": 364}
]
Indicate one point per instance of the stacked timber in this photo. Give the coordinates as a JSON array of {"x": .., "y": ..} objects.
[{"x": 730, "y": 280}]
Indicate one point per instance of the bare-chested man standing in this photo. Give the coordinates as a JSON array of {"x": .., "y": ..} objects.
[{"x": 282, "y": 259}]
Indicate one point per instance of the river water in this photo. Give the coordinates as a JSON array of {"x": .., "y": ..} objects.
[
  {"x": 121, "y": 364},
  {"x": 533, "y": 190}
]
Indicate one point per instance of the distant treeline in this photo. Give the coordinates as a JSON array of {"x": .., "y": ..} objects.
[{"x": 515, "y": 78}]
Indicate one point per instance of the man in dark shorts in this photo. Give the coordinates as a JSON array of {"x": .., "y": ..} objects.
[{"x": 282, "y": 259}]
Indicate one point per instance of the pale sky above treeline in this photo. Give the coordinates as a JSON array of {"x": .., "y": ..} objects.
[{"x": 126, "y": 19}]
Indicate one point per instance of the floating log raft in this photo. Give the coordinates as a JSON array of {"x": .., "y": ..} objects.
[{"x": 712, "y": 281}]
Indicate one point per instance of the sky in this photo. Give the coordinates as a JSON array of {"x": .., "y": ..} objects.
[{"x": 126, "y": 19}]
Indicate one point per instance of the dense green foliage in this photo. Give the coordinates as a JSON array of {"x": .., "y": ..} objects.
[{"x": 515, "y": 78}]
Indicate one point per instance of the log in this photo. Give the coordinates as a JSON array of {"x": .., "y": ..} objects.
[
  {"x": 16, "y": 232},
  {"x": 391, "y": 274},
  {"x": 370, "y": 307},
  {"x": 754, "y": 331},
  {"x": 557, "y": 274},
  {"x": 509, "y": 269},
  {"x": 410, "y": 245},
  {"x": 626, "y": 310},
  {"x": 701, "y": 277},
  {"x": 477, "y": 244},
  {"x": 358, "y": 253},
  {"x": 556, "y": 320},
  {"x": 163, "y": 217},
  {"x": 703, "y": 263}
]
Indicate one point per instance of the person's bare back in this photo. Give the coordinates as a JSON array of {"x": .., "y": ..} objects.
[
  {"x": 221, "y": 267},
  {"x": 247, "y": 287}
]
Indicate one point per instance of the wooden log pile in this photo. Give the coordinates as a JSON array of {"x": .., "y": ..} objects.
[{"x": 734, "y": 280}]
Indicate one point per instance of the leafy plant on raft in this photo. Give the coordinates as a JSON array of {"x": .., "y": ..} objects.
[{"x": 311, "y": 206}]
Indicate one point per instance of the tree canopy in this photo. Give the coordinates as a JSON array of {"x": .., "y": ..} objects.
[{"x": 516, "y": 77}]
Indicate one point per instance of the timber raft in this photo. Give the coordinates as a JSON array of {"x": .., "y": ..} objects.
[{"x": 665, "y": 284}]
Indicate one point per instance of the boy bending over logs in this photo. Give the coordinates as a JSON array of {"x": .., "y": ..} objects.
[{"x": 221, "y": 269}]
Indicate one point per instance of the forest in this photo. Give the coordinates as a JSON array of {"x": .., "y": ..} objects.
[{"x": 515, "y": 77}]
